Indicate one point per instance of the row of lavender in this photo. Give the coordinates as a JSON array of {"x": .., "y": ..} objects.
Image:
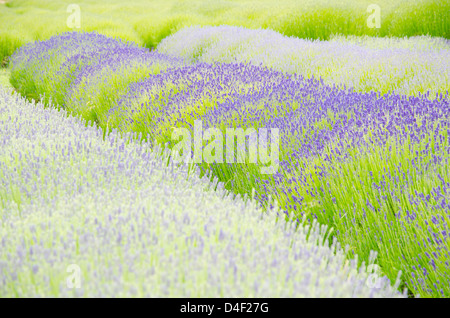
[
  {"x": 372, "y": 166},
  {"x": 408, "y": 66},
  {"x": 75, "y": 70},
  {"x": 84, "y": 216}
]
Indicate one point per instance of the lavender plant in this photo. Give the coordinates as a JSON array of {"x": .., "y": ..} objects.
[
  {"x": 134, "y": 226},
  {"x": 74, "y": 69},
  {"x": 406, "y": 66}
]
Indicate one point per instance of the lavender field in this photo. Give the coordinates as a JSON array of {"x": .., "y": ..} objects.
[
  {"x": 347, "y": 195},
  {"x": 140, "y": 228}
]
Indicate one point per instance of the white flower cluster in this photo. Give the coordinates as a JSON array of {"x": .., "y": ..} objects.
[{"x": 406, "y": 66}]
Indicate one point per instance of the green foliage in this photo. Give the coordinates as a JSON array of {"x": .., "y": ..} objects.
[{"x": 148, "y": 22}]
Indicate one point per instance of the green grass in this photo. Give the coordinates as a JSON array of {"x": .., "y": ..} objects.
[{"x": 148, "y": 22}]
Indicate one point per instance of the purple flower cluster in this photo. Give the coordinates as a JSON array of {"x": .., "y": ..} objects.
[
  {"x": 77, "y": 70},
  {"x": 314, "y": 119},
  {"x": 60, "y": 58}
]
